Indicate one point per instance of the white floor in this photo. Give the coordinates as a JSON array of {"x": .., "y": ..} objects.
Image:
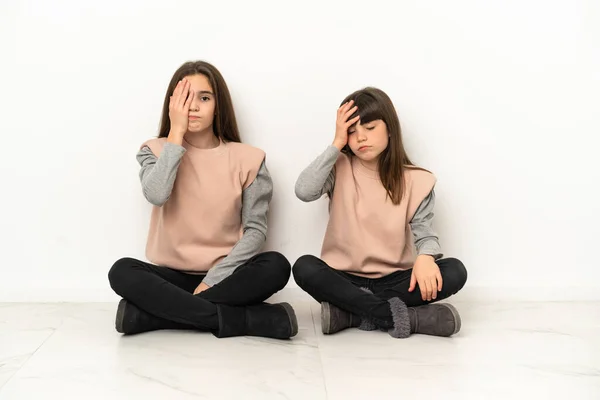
[{"x": 504, "y": 351}]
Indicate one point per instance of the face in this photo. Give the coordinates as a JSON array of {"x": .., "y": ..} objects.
[
  {"x": 202, "y": 109},
  {"x": 368, "y": 141}
]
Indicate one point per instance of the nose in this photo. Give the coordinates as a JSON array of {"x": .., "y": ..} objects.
[
  {"x": 195, "y": 103},
  {"x": 360, "y": 134}
]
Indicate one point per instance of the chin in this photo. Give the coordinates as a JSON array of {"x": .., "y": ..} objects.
[
  {"x": 366, "y": 157},
  {"x": 196, "y": 129}
]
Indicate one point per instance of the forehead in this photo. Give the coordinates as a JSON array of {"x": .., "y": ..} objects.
[
  {"x": 368, "y": 123},
  {"x": 199, "y": 83}
]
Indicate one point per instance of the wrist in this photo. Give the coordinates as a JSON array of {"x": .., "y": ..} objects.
[
  {"x": 175, "y": 137},
  {"x": 339, "y": 145}
]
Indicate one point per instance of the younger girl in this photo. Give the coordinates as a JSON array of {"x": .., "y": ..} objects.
[
  {"x": 210, "y": 194},
  {"x": 381, "y": 263}
]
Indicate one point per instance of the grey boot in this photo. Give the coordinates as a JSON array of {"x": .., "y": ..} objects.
[
  {"x": 440, "y": 319},
  {"x": 334, "y": 319}
]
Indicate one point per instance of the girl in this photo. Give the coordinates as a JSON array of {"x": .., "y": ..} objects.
[
  {"x": 369, "y": 275},
  {"x": 210, "y": 194}
]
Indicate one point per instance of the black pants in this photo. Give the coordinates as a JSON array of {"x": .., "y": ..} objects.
[
  {"x": 168, "y": 293},
  {"x": 342, "y": 289}
]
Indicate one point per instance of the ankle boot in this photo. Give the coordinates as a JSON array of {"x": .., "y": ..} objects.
[
  {"x": 439, "y": 319},
  {"x": 334, "y": 319},
  {"x": 276, "y": 321},
  {"x": 131, "y": 319}
]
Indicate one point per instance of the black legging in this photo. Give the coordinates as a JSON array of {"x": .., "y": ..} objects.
[
  {"x": 168, "y": 293},
  {"x": 342, "y": 289}
]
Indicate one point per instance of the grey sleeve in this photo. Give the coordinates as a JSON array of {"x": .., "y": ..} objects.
[
  {"x": 319, "y": 177},
  {"x": 425, "y": 237},
  {"x": 157, "y": 174},
  {"x": 255, "y": 205}
]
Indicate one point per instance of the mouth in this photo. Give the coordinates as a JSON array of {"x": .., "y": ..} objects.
[
  {"x": 193, "y": 117},
  {"x": 363, "y": 148}
]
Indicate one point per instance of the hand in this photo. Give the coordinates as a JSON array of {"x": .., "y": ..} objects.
[
  {"x": 201, "y": 288},
  {"x": 427, "y": 274},
  {"x": 342, "y": 124},
  {"x": 179, "y": 108}
]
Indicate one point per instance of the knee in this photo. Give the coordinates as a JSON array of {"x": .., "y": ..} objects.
[
  {"x": 458, "y": 273},
  {"x": 118, "y": 273},
  {"x": 279, "y": 266},
  {"x": 304, "y": 268}
]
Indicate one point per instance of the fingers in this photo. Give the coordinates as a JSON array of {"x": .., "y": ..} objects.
[
  {"x": 342, "y": 110},
  {"x": 183, "y": 94},
  {"x": 345, "y": 111},
  {"x": 429, "y": 290},
  {"x": 188, "y": 102},
  {"x": 433, "y": 284},
  {"x": 413, "y": 282},
  {"x": 352, "y": 121},
  {"x": 349, "y": 113},
  {"x": 439, "y": 281},
  {"x": 423, "y": 287},
  {"x": 177, "y": 91}
]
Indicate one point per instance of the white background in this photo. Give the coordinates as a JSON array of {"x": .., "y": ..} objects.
[{"x": 499, "y": 99}]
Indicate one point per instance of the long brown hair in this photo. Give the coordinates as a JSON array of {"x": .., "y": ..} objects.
[
  {"x": 224, "y": 123},
  {"x": 373, "y": 104}
]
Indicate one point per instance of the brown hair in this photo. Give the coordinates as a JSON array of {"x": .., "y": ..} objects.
[
  {"x": 224, "y": 123},
  {"x": 373, "y": 104}
]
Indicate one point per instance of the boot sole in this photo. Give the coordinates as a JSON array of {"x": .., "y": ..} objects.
[
  {"x": 120, "y": 315},
  {"x": 456, "y": 316},
  {"x": 325, "y": 318},
  {"x": 292, "y": 316}
]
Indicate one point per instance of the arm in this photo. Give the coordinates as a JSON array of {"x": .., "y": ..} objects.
[
  {"x": 319, "y": 177},
  {"x": 425, "y": 271},
  {"x": 425, "y": 237},
  {"x": 157, "y": 174},
  {"x": 255, "y": 205}
]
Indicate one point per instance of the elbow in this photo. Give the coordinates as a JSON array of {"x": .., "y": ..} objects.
[
  {"x": 302, "y": 193},
  {"x": 155, "y": 199},
  {"x": 258, "y": 232}
]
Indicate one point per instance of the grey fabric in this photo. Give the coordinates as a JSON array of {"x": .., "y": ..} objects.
[
  {"x": 157, "y": 174},
  {"x": 319, "y": 177},
  {"x": 421, "y": 225},
  {"x": 400, "y": 317}
]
